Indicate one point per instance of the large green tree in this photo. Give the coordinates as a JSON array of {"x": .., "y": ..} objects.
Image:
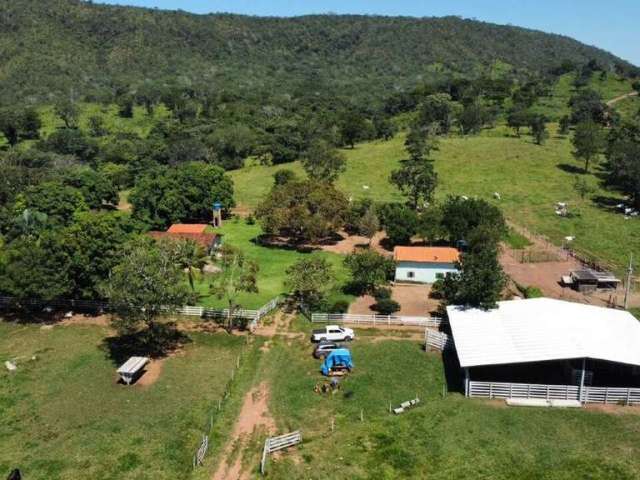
[
  {"x": 58, "y": 201},
  {"x": 146, "y": 284},
  {"x": 416, "y": 177},
  {"x": 588, "y": 142},
  {"x": 309, "y": 279},
  {"x": 95, "y": 243},
  {"x": 238, "y": 275},
  {"x": 183, "y": 193},
  {"x": 36, "y": 268},
  {"x": 369, "y": 270},
  {"x": 304, "y": 211},
  {"x": 323, "y": 162}
]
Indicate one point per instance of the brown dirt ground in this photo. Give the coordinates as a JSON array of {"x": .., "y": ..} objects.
[
  {"x": 413, "y": 299},
  {"x": 349, "y": 243},
  {"x": 152, "y": 373},
  {"x": 254, "y": 415},
  {"x": 546, "y": 276}
]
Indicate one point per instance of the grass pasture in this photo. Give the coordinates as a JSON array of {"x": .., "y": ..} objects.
[
  {"x": 445, "y": 438},
  {"x": 273, "y": 263},
  {"x": 65, "y": 417},
  {"x": 530, "y": 179}
]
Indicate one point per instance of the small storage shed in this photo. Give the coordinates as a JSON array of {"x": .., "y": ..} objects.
[{"x": 424, "y": 264}]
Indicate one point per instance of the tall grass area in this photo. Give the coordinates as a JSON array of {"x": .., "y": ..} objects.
[
  {"x": 442, "y": 438},
  {"x": 530, "y": 179},
  {"x": 273, "y": 263},
  {"x": 64, "y": 416}
]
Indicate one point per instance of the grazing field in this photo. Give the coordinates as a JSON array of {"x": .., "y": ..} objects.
[
  {"x": 65, "y": 417},
  {"x": 441, "y": 438},
  {"x": 530, "y": 179},
  {"x": 273, "y": 263}
]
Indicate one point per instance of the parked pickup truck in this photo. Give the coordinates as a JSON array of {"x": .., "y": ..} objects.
[{"x": 333, "y": 333}]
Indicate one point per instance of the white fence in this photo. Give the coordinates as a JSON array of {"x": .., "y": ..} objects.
[
  {"x": 198, "y": 458},
  {"x": 437, "y": 341},
  {"x": 273, "y": 444},
  {"x": 194, "y": 311},
  {"x": 625, "y": 396},
  {"x": 376, "y": 320}
]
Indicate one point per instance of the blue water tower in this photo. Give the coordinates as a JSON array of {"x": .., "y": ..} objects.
[{"x": 217, "y": 214}]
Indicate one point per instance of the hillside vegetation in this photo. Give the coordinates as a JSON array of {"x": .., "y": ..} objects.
[
  {"x": 73, "y": 46},
  {"x": 530, "y": 178}
]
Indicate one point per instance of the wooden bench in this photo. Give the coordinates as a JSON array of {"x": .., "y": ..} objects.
[{"x": 129, "y": 369}]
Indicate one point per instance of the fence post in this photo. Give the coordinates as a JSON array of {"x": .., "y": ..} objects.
[{"x": 362, "y": 415}]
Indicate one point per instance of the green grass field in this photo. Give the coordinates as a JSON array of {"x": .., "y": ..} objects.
[
  {"x": 530, "y": 179},
  {"x": 64, "y": 416},
  {"x": 445, "y": 438},
  {"x": 273, "y": 263}
]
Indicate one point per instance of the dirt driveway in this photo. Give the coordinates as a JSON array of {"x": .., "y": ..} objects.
[{"x": 413, "y": 299}]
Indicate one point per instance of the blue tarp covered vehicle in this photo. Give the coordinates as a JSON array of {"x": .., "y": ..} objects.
[{"x": 340, "y": 357}]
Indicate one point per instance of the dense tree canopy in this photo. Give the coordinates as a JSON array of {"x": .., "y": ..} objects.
[
  {"x": 184, "y": 193},
  {"x": 303, "y": 210}
]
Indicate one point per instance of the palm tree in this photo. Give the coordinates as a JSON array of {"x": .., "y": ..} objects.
[{"x": 190, "y": 256}]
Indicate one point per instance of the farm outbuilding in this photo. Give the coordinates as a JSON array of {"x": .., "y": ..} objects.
[
  {"x": 546, "y": 348},
  {"x": 424, "y": 264},
  {"x": 195, "y": 232}
]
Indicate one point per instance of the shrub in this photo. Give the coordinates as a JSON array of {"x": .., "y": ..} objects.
[
  {"x": 341, "y": 306},
  {"x": 386, "y": 306},
  {"x": 382, "y": 293},
  {"x": 250, "y": 220}
]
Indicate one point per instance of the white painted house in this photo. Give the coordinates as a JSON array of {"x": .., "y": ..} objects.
[{"x": 424, "y": 264}]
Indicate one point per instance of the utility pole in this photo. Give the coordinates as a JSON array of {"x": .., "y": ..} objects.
[{"x": 627, "y": 289}]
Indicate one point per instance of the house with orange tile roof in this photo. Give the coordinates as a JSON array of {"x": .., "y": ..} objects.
[
  {"x": 424, "y": 264},
  {"x": 190, "y": 231}
]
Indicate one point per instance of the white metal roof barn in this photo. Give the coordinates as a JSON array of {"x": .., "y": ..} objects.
[
  {"x": 543, "y": 329},
  {"x": 590, "y": 354}
]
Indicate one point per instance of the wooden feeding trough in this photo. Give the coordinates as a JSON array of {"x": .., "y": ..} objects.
[
  {"x": 404, "y": 406},
  {"x": 132, "y": 368}
]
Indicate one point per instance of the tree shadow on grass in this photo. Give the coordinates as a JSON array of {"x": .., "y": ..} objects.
[
  {"x": 607, "y": 203},
  {"x": 156, "y": 342},
  {"x": 572, "y": 169}
]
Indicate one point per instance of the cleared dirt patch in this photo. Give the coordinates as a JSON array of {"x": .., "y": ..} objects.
[
  {"x": 152, "y": 373},
  {"x": 413, "y": 299},
  {"x": 254, "y": 416}
]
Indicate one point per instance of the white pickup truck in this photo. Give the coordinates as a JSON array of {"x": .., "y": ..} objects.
[{"x": 333, "y": 333}]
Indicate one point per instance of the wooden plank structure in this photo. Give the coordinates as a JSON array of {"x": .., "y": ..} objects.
[
  {"x": 374, "y": 320},
  {"x": 439, "y": 341},
  {"x": 273, "y": 444},
  {"x": 129, "y": 369}
]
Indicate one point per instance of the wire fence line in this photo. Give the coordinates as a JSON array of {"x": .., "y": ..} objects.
[{"x": 93, "y": 306}]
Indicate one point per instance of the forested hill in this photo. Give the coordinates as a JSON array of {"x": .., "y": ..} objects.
[{"x": 57, "y": 45}]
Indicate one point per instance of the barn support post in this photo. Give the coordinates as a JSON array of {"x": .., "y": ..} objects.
[
  {"x": 466, "y": 382},
  {"x": 582, "y": 372}
]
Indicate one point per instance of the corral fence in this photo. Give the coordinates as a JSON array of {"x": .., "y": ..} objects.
[
  {"x": 273, "y": 444},
  {"x": 434, "y": 340},
  {"x": 620, "y": 396},
  {"x": 375, "y": 320}
]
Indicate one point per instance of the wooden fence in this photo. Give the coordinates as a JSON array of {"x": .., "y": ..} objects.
[
  {"x": 375, "y": 320},
  {"x": 623, "y": 396},
  {"x": 273, "y": 444},
  {"x": 434, "y": 340}
]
